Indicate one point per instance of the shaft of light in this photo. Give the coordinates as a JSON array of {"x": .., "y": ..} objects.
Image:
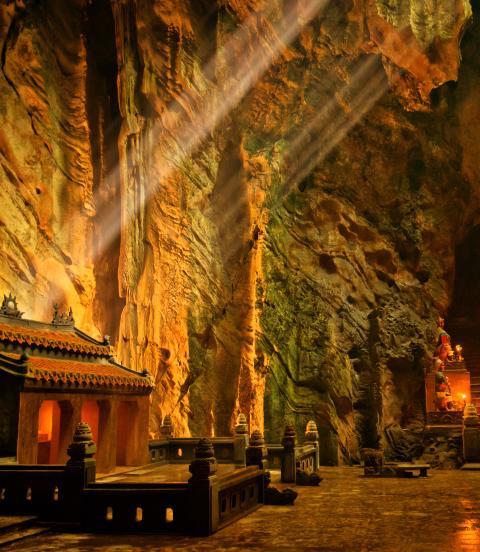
[{"x": 197, "y": 116}]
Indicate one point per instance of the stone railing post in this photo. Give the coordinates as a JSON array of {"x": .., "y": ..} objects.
[
  {"x": 203, "y": 490},
  {"x": 80, "y": 471},
  {"x": 372, "y": 461},
  {"x": 166, "y": 429},
  {"x": 257, "y": 452},
  {"x": 240, "y": 442},
  {"x": 311, "y": 438},
  {"x": 471, "y": 434},
  {"x": 288, "y": 467}
]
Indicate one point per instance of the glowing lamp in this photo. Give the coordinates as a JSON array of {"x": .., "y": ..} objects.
[{"x": 458, "y": 350}]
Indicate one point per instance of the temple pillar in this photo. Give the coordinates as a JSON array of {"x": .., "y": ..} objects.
[
  {"x": 70, "y": 416},
  {"x": 107, "y": 436},
  {"x": 132, "y": 431},
  {"x": 27, "y": 443},
  {"x": 140, "y": 454}
]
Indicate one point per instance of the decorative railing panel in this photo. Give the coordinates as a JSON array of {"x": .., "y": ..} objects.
[
  {"x": 182, "y": 450},
  {"x": 139, "y": 507},
  {"x": 306, "y": 458},
  {"x": 275, "y": 453},
  {"x": 240, "y": 494},
  {"x": 28, "y": 490}
]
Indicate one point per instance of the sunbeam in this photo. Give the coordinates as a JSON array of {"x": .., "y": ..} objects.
[
  {"x": 192, "y": 117},
  {"x": 307, "y": 150}
]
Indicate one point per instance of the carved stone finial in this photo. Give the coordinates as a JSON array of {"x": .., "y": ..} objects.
[
  {"x": 65, "y": 319},
  {"x": 167, "y": 426},
  {"x": 289, "y": 437},
  {"x": 241, "y": 428},
  {"x": 256, "y": 439},
  {"x": 257, "y": 451},
  {"x": 9, "y": 307},
  {"x": 311, "y": 431},
  {"x": 470, "y": 416},
  {"x": 204, "y": 449},
  {"x": 204, "y": 465},
  {"x": 106, "y": 340},
  {"x": 82, "y": 445}
]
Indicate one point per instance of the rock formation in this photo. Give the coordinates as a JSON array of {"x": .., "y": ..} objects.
[{"x": 258, "y": 201}]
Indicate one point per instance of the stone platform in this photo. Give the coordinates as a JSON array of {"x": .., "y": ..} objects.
[
  {"x": 154, "y": 473},
  {"x": 346, "y": 513}
]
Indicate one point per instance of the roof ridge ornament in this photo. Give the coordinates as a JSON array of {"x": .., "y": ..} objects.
[
  {"x": 9, "y": 306},
  {"x": 65, "y": 319}
]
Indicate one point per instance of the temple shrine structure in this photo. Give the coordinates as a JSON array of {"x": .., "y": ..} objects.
[
  {"x": 447, "y": 385},
  {"x": 54, "y": 376}
]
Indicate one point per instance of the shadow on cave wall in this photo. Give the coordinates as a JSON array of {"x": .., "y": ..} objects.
[
  {"x": 104, "y": 122},
  {"x": 463, "y": 318}
]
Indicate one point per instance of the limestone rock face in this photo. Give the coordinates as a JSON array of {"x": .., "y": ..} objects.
[
  {"x": 258, "y": 201},
  {"x": 45, "y": 160}
]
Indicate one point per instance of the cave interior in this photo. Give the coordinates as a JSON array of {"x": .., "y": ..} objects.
[{"x": 260, "y": 208}]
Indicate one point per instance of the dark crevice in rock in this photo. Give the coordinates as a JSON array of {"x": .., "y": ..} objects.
[
  {"x": 205, "y": 16},
  {"x": 104, "y": 122},
  {"x": 11, "y": 37}
]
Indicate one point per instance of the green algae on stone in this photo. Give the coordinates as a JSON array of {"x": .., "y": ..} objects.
[{"x": 428, "y": 19}]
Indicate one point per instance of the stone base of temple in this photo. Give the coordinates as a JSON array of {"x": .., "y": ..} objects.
[{"x": 442, "y": 418}]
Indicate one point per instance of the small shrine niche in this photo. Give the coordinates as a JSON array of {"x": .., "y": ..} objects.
[{"x": 447, "y": 385}]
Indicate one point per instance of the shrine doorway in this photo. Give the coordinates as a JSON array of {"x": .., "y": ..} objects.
[
  {"x": 48, "y": 440},
  {"x": 127, "y": 422},
  {"x": 55, "y": 427}
]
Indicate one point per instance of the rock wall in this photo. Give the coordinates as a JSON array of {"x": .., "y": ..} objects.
[{"x": 259, "y": 201}]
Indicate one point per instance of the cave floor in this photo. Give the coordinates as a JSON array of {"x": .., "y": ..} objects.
[{"x": 347, "y": 513}]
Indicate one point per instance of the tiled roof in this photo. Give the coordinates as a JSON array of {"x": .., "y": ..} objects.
[
  {"x": 66, "y": 340},
  {"x": 69, "y": 372},
  {"x": 64, "y": 372}
]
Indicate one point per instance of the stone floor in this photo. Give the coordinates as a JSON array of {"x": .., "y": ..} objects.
[{"x": 347, "y": 513}]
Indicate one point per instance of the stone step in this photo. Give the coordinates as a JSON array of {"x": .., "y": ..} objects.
[
  {"x": 16, "y": 535},
  {"x": 9, "y": 522},
  {"x": 15, "y": 528}
]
